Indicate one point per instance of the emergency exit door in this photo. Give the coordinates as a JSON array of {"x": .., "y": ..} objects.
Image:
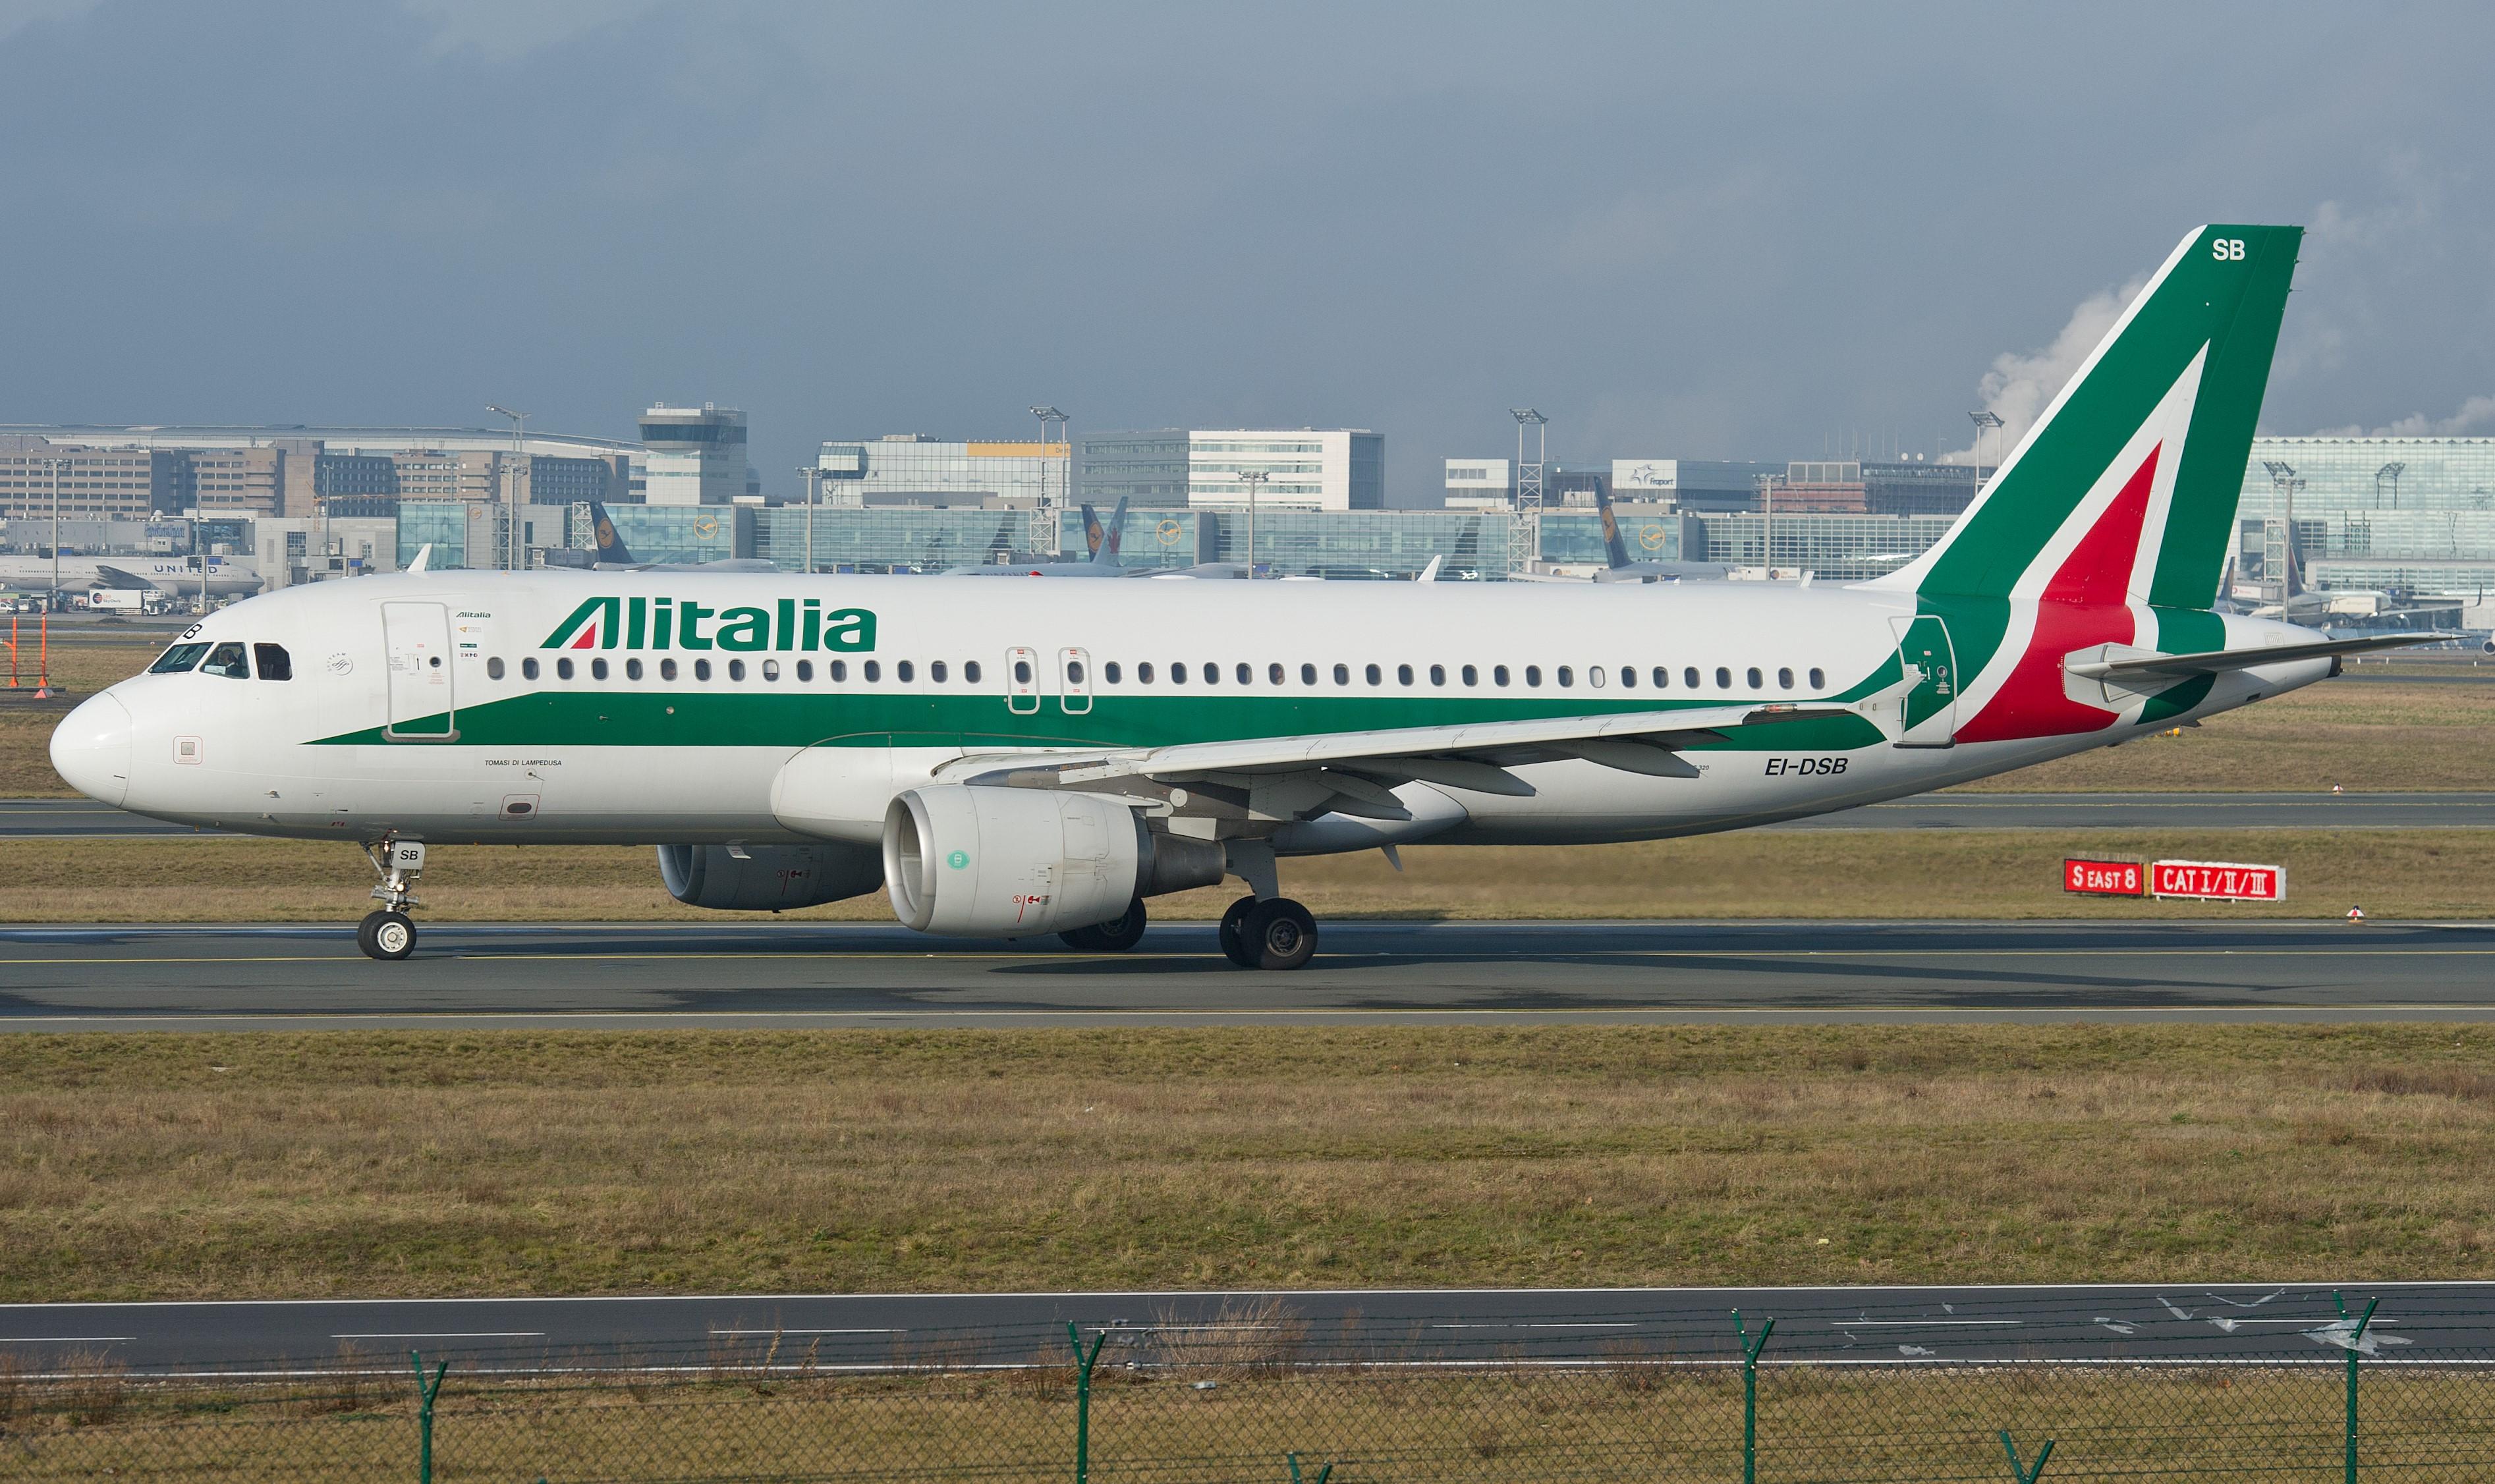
[{"x": 416, "y": 642}]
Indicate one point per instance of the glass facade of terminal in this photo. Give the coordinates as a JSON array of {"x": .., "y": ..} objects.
[
  {"x": 2403, "y": 515},
  {"x": 903, "y": 538}
]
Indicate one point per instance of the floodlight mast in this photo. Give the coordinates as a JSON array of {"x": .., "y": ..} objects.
[
  {"x": 1255, "y": 479},
  {"x": 1983, "y": 419},
  {"x": 2389, "y": 474},
  {"x": 2282, "y": 474},
  {"x": 519, "y": 426},
  {"x": 1524, "y": 525},
  {"x": 1044, "y": 515}
]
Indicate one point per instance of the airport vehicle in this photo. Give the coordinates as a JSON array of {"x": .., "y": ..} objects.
[
  {"x": 1019, "y": 761},
  {"x": 130, "y": 601},
  {"x": 173, "y": 576}
]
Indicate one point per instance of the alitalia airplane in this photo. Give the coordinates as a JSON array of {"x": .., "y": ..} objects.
[{"x": 1021, "y": 759}]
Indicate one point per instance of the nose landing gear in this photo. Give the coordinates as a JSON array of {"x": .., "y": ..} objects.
[{"x": 391, "y": 933}]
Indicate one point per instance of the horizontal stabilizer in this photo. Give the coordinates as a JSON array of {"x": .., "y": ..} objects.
[{"x": 2149, "y": 667}]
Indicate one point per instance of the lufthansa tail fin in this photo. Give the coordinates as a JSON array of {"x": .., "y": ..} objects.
[
  {"x": 611, "y": 551},
  {"x": 2126, "y": 489},
  {"x": 1103, "y": 539},
  {"x": 1614, "y": 548}
]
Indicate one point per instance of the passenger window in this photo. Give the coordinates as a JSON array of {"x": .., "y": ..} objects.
[
  {"x": 494, "y": 668},
  {"x": 597, "y": 669},
  {"x": 872, "y": 669},
  {"x": 1689, "y": 677},
  {"x": 1342, "y": 674},
  {"x": 1437, "y": 674},
  {"x": 1723, "y": 678},
  {"x": 275, "y": 664},
  {"x": 1073, "y": 670},
  {"x": 1211, "y": 673},
  {"x": 1595, "y": 676},
  {"x": 1756, "y": 680},
  {"x": 1818, "y": 679},
  {"x": 970, "y": 671},
  {"x": 701, "y": 669},
  {"x": 1472, "y": 677},
  {"x": 736, "y": 669},
  {"x": 1533, "y": 675},
  {"x": 1144, "y": 673},
  {"x": 1499, "y": 676},
  {"x": 1784, "y": 679},
  {"x": 1114, "y": 674},
  {"x": 1022, "y": 672},
  {"x": 805, "y": 669},
  {"x": 562, "y": 668},
  {"x": 1247, "y": 674},
  {"x": 1178, "y": 673},
  {"x": 1628, "y": 676},
  {"x": 529, "y": 668},
  {"x": 1662, "y": 679},
  {"x": 771, "y": 670},
  {"x": 667, "y": 669},
  {"x": 1376, "y": 677},
  {"x": 1567, "y": 678},
  {"x": 1308, "y": 675},
  {"x": 936, "y": 671},
  {"x": 836, "y": 669},
  {"x": 1274, "y": 675},
  {"x": 904, "y": 672},
  {"x": 226, "y": 659},
  {"x": 1403, "y": 675},
  {"x": 178, "y": 660},
  {"x": 631, "y": 669}
]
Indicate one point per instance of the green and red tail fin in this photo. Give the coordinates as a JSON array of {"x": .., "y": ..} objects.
[{"x": 2125, "y": 490}]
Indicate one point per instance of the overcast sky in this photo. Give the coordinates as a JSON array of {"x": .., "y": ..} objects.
[{"x": 1732, "y": 231}]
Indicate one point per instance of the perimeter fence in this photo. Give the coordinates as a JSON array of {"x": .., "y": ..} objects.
[{"x": 2194, "y": 1387}]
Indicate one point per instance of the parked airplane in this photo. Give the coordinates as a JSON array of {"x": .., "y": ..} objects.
[
  {"x": 613, "y": 556},
  {"x": 177, "y": 576},
  {"x": 1618, "y": 568},
  {"x": 1019, "y": 761},
  {"x": 1103, "y": 562}
]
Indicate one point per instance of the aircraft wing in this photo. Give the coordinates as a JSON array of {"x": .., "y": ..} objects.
[
  {"x": 1353, "y": 773},
  {"x": 2119, "y": 664},
  {"x": 115, "y": 577}
]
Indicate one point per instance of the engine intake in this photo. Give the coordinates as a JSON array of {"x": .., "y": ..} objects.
[
  {"x": 1013, "y": 861},
  {"x": 769, "y": 878}
]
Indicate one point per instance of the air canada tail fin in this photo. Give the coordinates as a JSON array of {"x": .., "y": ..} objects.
[
  {"x": 1614, "y": 548},
  {"x": 611, "y": 551},
  {"x": 1103, "y": 539},
  {"x": 2125, "y": 490}
]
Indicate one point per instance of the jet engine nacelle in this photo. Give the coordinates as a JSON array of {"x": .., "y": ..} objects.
[
  {"x": 767, "y": 878},
  {"x": 1011, "y": 862}
]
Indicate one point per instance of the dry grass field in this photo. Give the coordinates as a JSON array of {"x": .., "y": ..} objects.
[
  {"x": 286, "y": 1164},
  {"x": 2004, "y": 873},
  {"x": 2373, "y": 735}
]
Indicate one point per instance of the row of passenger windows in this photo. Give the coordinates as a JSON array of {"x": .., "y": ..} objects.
[
  {"x": 227, "y": 659},
  {"x": 1145, "y": 672},
  {"x": 837, "y": 670},
  {"x": 1566, "y": 677}
]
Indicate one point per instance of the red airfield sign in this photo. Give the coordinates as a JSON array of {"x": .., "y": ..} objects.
[
  {"x": 2102, "y": 878},
  {"x": 2217, "y": 881}
]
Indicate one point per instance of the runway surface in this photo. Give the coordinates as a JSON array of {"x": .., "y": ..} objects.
[
  {"x": 826, "y": 974},
  {"x": 2289, "y": 1322},
  {"x": 84, "y": 819}
]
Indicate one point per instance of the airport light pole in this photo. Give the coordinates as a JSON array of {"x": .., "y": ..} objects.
[
  {"x": 53, "y": 596},
  {"x": 519, "y": 425},
  {"x": 1255, "y": 479},
  {"x": 1986, "y": 418},
  {"x": 2389, "y": 474}
]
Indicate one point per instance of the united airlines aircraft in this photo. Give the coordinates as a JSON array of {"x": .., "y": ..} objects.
[{"x": 1030, "y": 758}]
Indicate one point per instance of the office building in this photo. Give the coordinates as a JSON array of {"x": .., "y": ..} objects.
[
  {"x": 1692, "y": 484},
  {"x": 1305, "y": 468},
  {"x": 912, "y": 468},
  {"x": 1480, "y": 484},
  {"x": 694, "y": 456},
  {"x": 91, "y": 483}
]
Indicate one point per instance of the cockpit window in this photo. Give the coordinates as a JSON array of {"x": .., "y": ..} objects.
[
  {"x": 226, "y": 659},
  {"x": 178, "y": 659},
  {"x": 275, "y": 664}
]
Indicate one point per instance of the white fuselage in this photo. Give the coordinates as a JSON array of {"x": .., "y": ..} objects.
[{"x": 390, "y": 727}]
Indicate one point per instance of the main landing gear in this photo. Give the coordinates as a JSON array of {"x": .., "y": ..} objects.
[
  {"x": 1113, "y": 936},
  {"x": 391, "y": 933},
  {"x": 1272, "y": 932}
]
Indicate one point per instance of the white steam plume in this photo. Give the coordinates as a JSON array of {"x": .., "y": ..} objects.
[
  {"x": 2475, "y": 413},
  {"x": 2019, "y": 387}
]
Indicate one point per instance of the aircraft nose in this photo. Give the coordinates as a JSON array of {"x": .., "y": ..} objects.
[{"x": 91, "y": 748}]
